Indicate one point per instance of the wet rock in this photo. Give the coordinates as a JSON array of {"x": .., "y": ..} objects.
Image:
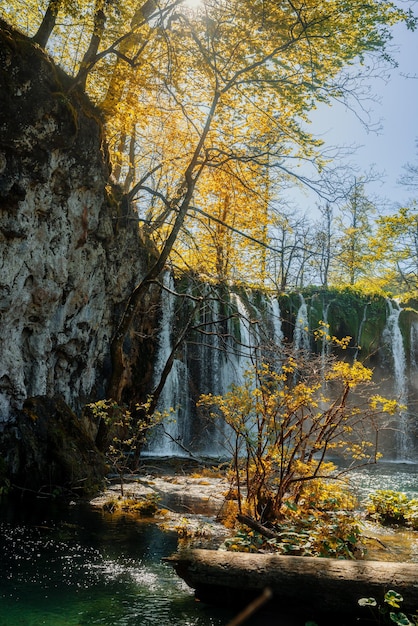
[{"x": 48, "y": 450}]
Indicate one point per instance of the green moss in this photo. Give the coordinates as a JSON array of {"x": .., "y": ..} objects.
[{"x": 407, "y": 319}]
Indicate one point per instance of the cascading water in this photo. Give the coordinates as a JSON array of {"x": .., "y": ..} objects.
[
  {"x": 326, "y": 343},
  {"x": 275, "y": 315},
  {"x": 392, "y": 337},
  {"x": 260, "y": 333},
  {"x": 167, "y": 437},
  {"x": 360, "y": 331},
  {"x": 229, "y": 363},
  {"x": 213, "y": 369},
  {"x": 247, "y": 342},
  {"x": 414, "y": 348},
  {"x": 230, "y": 333},
  {"x": 301, "y": 339},
  {"x": 413, "y": 373}
]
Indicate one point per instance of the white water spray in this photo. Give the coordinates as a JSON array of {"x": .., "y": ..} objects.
[
  {"x": 392, "y": 337},
  {"x": 275, "y": 315},
  {"x": 248, "y": 340},
  {"x": 414, "y": 347}
]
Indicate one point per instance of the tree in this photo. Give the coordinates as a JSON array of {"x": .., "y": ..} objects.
[
  {"x": 286, "y": 423},
  {"x": 395, "y": 249},
  {"x": 48, "y": 22},
  {"x": 236, "y": 78},
  {"x": 288, "y": 261},
  {"x": 211, "y": 78},
  {"x": 324, "y": 245},
  {"x": 225, "y": 241},
  {"x": 394, "y": 246},
  {"x": 353, "y": 255}
]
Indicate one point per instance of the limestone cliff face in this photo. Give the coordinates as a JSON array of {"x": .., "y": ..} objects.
[{"x": 68, "y": 257}]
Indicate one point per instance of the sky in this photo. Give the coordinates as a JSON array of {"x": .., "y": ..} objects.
[{"x": 396, "y": 112}]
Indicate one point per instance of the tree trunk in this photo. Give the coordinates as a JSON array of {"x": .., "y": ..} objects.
[
  {"x": 91, "y": 52},
  {"x": 319, "y": 586},
  {"x": 47, "y": 24},
  {"x": 181, "y": 203}
]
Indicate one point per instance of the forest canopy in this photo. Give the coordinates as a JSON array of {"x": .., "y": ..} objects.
[{"x": 206, "y": 109}]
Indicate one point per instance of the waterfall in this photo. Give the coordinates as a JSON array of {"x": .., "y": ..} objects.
[
  {"x": 414, "y": 347},
  {"x": 231, "y": 330},
  {"x": 217, "y": 357},
  {"x": 360, "y": 330},
  {"x": 274, "y": 314},
  {"x": 174, "y": 398},
  {"x": 413, "y": 374},
  {"x": 326, "y": 343},
  {"x": 254, "y": 332},
  {"x": 247, "y": 343},
  {"x": 392, "y": 337},
  {"x": 301, "y": 339},
  {"x": 214, "y": 371}
]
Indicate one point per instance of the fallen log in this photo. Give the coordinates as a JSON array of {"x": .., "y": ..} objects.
[{"x": 318, "y": 586}]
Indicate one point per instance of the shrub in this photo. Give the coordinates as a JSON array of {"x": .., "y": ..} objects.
[
  {"x": 392, "y": 507},
  {"x": 322, "y": 524},
  {"x": 283, "y": 427}
]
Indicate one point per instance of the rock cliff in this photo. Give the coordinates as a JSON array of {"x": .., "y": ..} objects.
[{"x": 69, "y": 255}]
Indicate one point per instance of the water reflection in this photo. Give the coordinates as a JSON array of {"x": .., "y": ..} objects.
[
  {"x": 385, "y": 475},
  {"x": 76, "y": 566}
]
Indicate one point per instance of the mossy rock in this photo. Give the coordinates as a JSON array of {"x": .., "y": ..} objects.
[{"x": 52, "y": 452}]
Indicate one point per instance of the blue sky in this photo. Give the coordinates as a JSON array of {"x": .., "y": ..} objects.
[{"x": 397, "y": 110}]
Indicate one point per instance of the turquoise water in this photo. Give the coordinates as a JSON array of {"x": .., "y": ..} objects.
[{"x": 74, "y": 566}]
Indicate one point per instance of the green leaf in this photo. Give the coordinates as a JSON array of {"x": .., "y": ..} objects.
[
  {"x": 393, "y": 598},
  {"x": 367, "y": 602},
  {"x": 401, "y": 619}
]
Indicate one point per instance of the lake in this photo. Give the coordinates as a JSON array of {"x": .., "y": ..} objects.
[{"x": 74, "y": 565}]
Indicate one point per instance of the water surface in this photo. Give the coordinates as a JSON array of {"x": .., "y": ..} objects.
[{"x": 75, "y": 566}]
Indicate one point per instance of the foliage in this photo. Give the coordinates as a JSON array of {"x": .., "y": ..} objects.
[
  {"x": 393, "y": 507},
  {"x": 125, "y": 432},
  {"x": 392, "y": 600},
  {"x": 321, "y": 524},
  {"x": 146, "y": 506},
  {"x": 284, "y": 425},
  {"x": 350, "y": 312},
  {"x": 207, "y": 108},
  {"x": 353, "y": 256},
  {"x": 395, "y": 246}
]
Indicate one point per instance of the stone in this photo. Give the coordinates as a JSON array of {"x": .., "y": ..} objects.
[
  {"x": 54, "y": 454},
  {"x": 69, "y": 258}
]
